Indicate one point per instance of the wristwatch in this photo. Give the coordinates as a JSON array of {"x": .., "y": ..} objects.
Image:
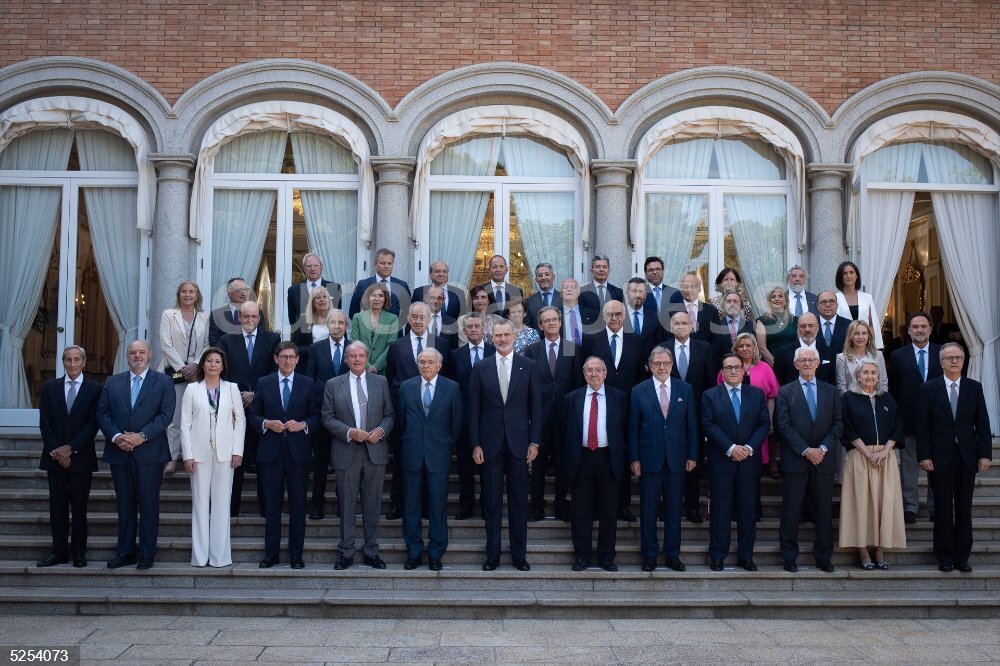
[{"x": 143, "y": 435}]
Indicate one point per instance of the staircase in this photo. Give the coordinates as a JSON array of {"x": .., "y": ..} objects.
[{"x": 913, "y": 588}]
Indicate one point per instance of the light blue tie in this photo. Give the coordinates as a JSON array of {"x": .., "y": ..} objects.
[
  {"x": 798, "y": 305},
  {"x": 250, "y": 348},
  {"x": 736, "y": 401},
  {"x": 475, "y": 355},
  {"x": 337, "y": 358},
  {"x": 827, "y": 333},
  {"x": 922, "y": 365},
  {"x": 427, "y": 397},
  {"x": 286, "y": 394},
  {"x": 136, "y": 387},
  {"x": 682, "y": 362},
  {"x": 810, "y": 399},
  {"x": 657, "y": 293}
]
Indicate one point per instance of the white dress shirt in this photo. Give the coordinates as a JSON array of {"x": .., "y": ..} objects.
[
  {"x": 618, "y": 343},
  {"x": 472, "y": 352},
  {"x": 602, "y": 417},
  {"x": 79, "y": 385},
  {"x": 413, "y": 342},
  {"x": 354, "y": 398}
]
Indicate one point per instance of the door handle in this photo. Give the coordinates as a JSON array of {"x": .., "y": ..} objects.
[{"x": 60, "y": 329}]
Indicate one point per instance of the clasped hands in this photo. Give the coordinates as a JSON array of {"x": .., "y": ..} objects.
[
  {"x": 359, "y": 435},
  {"x": 815, "y": 455},
  {"x": 62, "y": 455},
  {"x": 128, "y": 441},
  {"x": 741, "y": 453},
  {"x": 876, "y": 458},
  {"x": 274, "y": 425}
]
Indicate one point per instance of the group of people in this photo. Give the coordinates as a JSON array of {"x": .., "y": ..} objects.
[{"x": 593, "y": 384}]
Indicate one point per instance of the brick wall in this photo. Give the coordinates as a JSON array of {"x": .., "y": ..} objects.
[{"x": 830, "y": 50}]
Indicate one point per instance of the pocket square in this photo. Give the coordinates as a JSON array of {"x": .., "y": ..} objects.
[{"x": 680, "y": 399}]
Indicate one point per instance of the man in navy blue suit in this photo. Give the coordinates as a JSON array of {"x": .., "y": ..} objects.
[
  {"x": 735, "y": 421},
  {"x": 641, "y": 315},
  {"x": 226, "y": 319},
  {"x": 663, "y": 446},
  {"x": 505, "y": 427},
  {"x": 832, "y": 327},
  {"x": 453, "y": 300},
  {"x": 595, "y": 294},
  {"x": 285, "y": 409},
  {"x": 657, "y": 292},
  {"x": 595, "y": 461},
  {"x": 298, "y": 293},
  {"x": 500, "y": 291},
  {"x": 135, "y": 408},
  {"x": 399, "y": 290},
  {"x": 430, "y": 416}
]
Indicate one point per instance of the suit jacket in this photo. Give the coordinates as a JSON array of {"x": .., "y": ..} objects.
[
  {"x": 510, "y": 291},
  {"x": 939, "y": 434},
  {"x": 320, "y": 364},
  {"x": 152, "y": 413},
  {"x": 859, "y": 423},
  {"x": 589, "y": 297},
  {"x": 798, "y": 430},
  {"x": 401, "y": 365},
  {"x": 568, "y": 375},
  {"x": 615, "y": 417},
  {"x": 866, "y": 312},
  {"x": 222, "y": 322},
  {"x": 303, "y": 405},
  {"x": 652, "y": 332},
  {"x": 784, "y": 364},
  {"x": 721, "y": 429},
  {"x": 590, "y": 321},
  {"x": 298, "y": 294},
  {"x": 456, "y": 301},
  {"x": 658, "y": 442},
  {"x": 535, "y": 303},
  {"x": 377, "y": 341},
  {"x": 722, "y": 341},
  {"x": 338, "y": 417},
  {"x": 399, "y": 290},
  {"x": 174, "y": 339},
  {"x": 459, "y": 365},
  {"x": 839, "y": 336},
  {"x": 196, "y": 423},
  {"x": 493, "y": 421},
  {"x": 905, "y": 381},
  {"x": 428, "y": 438},
  {"x": 702, "y": 367},
  {"x": 707, "y": 316},
  {"x": 808, "y": 305},
  {"x": 78, "y": 427},
  {"x": 668, "y": 295},
  {"x": 630, "y": 368},
  {"x": 243, "y": 371}
]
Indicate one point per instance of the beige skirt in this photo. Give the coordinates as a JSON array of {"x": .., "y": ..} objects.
[{"x": 871, "y": 503}]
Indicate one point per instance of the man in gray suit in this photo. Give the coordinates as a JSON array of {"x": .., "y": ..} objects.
[{"x": 358, "y": 413}]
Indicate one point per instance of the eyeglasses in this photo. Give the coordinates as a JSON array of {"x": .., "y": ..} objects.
[
  {"x": 807, "y": 361},
  {"x": 660, "y": 364},
  {"x": 952, "y": 359},
  {"x": 731, "y": 368},
  {"x": 288, "y": 357}
]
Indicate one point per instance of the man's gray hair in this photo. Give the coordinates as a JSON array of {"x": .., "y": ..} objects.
[
  {"x": 359, "y": 345},
  {"x": 799, "y": 351},
  {"x": 83, "y": 352}
]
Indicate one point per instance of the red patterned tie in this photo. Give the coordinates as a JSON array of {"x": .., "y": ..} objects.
[{"x": 592, "y": 426}]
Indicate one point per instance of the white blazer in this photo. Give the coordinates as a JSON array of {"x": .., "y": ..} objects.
[
  {"x": 866, "y": 313},
  {"x": 195, "y": 423},
  {"x": 174, "y": 339}
]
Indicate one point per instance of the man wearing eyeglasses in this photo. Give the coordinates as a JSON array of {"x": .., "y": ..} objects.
[
  {"x": 832, "y": 327},
  {"x": 226, "y": 319}
]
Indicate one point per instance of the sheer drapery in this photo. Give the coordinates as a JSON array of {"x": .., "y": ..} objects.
[
  {"x": 545, "y": 220},
  {"x": 671, "y": 225},
  {"x": 759, "y": 231},
  {"x": 456, "y": 218},
  {"x": 115, "y": 239},
  {"x": 967, "y": 231},
  {"x": 748, "y": 159},
  {"x": 240, "y": 217},
  {"x": 957, "y": 164},
  {"x": 526, "y": 156},
  {"x": 27, "y": 234},
  {"x": 315, "y": 154},
  {"x": 682, "y": 159}
]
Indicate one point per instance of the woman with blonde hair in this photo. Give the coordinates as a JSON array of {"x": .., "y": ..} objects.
[
  {"x": 859, "y": 345},
  {"x": 777, "y": 327},
  {"x": 314, "y": 327}
]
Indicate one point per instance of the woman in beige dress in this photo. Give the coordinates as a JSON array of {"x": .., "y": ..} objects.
[{"x": 871, "y": 504}]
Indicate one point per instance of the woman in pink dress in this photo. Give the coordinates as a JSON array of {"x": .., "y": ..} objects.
[{"x": 759, "y": 374}]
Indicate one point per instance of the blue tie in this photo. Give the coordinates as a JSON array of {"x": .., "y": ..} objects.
[
  {"x": 286, "y": 394},
  {"x": 636, "y": 326},
  {"x": 657, "y": 292},
  {"x": 475, "y": 355},
  {"x": 420, "y": 348},
  {"x": 736, "y": 401},
  {"x": 337, "y": 358},
  {"x": 614, "y": 349},
  {"x": 810, "y": 399},
  {"x": 548, "y": 298},
  {"x": 922, "y": 365},
  {"x": 827, "y": 333},
  {"x": 136, "y": 386},
  {"x": 427, "y": 397},
  {"x": 798, "y": 305}
]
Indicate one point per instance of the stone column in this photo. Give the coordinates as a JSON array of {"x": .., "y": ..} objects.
[
  {"x": 611, "y": 228},
  {"x": 392, "y": 214},
  {"x": 173, "y": 252},
  {"x": 827, "y": 221}
]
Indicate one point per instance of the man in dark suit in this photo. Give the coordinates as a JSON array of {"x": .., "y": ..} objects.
[
  {"x": 285, "y": 409},
  {"x": 641, "y": 315},
  {"x": 250, "y": 356},
  {"x": 67, "y": 421},
  {"x": 953, "y": 443},
  {"x": 440, "y": 325},
  {"x": 399, "y": 290},
  {"x": 459, "y": 369},
  {"x": 453, "y": 305},
  {"x": 730, "y": 324},
  {"x": 298, "y": 293},
  {"x": 663, "y": 446},
  {"x": 694, "y": 365},
  {"x": 807, "y": 416},
  {"x": 358, "y": 413},
  {"x": 658, "y": 293},
  {"x": 596, "y": 293},
  {"x": 430, "y": 418},
  {"x": 559, "y": 370},
  {"x": 735, "y": 422},
  {"x": 832, "y": 328},
  {"x": 505, "y": 427},
  {"x": 547, "y": 294},
  {"x": 800, "y": 301},
  {"x": 134, "y": 410},
  {"x": 500, "y": 291},
  {"x": 784, "y": 357},
  {"x": 401, "y": 364},
  {"x": 577, "y": 319},
  {"x": 594, "y": 444},
  {"x": 622, "y": 354},
  {"x": 909, "y": 367},
  {"x": 326, "y": 360},
  {"x": 226, "y": 319},
  {"x": 702, "y": 315}
]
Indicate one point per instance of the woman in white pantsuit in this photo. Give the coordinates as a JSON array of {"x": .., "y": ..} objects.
[{"x": 212, "y": 430}]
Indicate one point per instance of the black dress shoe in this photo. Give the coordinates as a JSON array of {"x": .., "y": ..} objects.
[
  {"x": 145, "y": 563},
  {"x": 694, "y": 517},
  {"x": 267, "y": 562},
  {"x": 53, "y": 560},
  {"x": 521, "y": 565},
  {"x": 790, "y": 567},
  {"x": 316, "y": 515},
  {"x": 626, "y": 515},
  {"x": 946, "y": 568},
  {"x": 649, "y": 564},
  {"x": 716, "y": 565},
  {"x": 343, "y": 563},
  {"x": 121, "y": 561},
  {"x": 411, "y": 563},
  {"x": 79, "y": 561},
  {"x": 490, "y": 565},
  {"x": 463, "y": 514},
  {"x": 909, "y": 517},
  {"x": 375, "y": 562},
  {"x": 825, "y": 567},
  {"x": 435, "y": 564},
  {"x": 748, "y": 565},
  {"x": 609, "y": 565},
  {"x": 964, "y": 568},
  {"x": 297, "y": 563},
  {"x": 563, "y": 515},
  {"x": 581, "y": 564},
  {"x": 535, "y": 515},
  {"x": 395, "y": 513},
  {"x": 675, "y": 564}
]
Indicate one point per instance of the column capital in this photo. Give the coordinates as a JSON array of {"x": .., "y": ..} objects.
[
  {"x": 612, "y": 173},
  {"x": 394, "y": 170},
  {"x": 173, "y": 167},
  {"x": 828, "y": 176}
]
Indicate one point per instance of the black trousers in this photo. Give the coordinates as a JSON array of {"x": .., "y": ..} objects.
[
  {"x": 549, "y": 457},
  {"x": 69, "y": 489},
  {"x": 595, "y": 492},
  {"x": 952, "y": 487},
  {"x": 506, "y": 467},
  {"x": 799, "y": 491},
  {"x": 322, "y": 442},
  {"x": 467, "y": 471}
]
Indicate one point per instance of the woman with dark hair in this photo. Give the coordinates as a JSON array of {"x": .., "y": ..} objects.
[
  {"x": 854, "y": 304},
  {"x": 728, "y": 280},
  {"x": 375, "y": 327},
  {"x": 479, "y": 301},
  {"x": 213, "y": 425}
]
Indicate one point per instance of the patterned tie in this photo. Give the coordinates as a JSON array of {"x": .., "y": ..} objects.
[
  {"x": 827, "y": 333},
  {"x": 682, "y": 362},
  {"x": 953, "y": 399},
  {"x": 420, "y": 348},
  {"x": 503, "y": 379},
  {"x": 71, "y": 398},
  {"x": 475, "y": 355},
  {"x": 136, "y": 387},
  {"x": 614, "y": 350},
  {"x": 592, "y": 423},
  {"x": 657, "y": 293},
  {"x": 798, "y": 305},
  {"x": 362, "y": 405},
  {"x": 922, "y": 365},
  {"x": 427, "y": 398},
  {"x": 636, "y": 326},
  {"x": 732, "y": 329},
  {"x": 286, "y": 394},
  {"x": 337, "y": 358},
  {"x": 735, "y": 392},
  {"x": 811, "y": 400},
  {"x": 552, "y": 359},
  {"x": 693, "y": 316},
  {"x": 574, "y": 326},
  {"x": 250, "y": 347},
  {"x": 664, "y": 401}
]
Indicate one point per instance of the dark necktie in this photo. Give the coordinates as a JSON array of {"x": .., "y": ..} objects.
[
  {"x": 827, "y": 333},
  {"x": 614, "y": 350},
  {"x": 337, "y": 358},
  {"x": 475, "y": 355},
  {"x": 552, "y": 359},
  {"x": 636, "y": 326},
  {"x": 498, "y": 297},
  {"x": 286, "y": 394},
  {"x": 547, "y": 297},
  {"x": 922, "y": 364},
  {"x": 953, "y": 399},
  {"x": 592, "y": 424},
  {"x": 420, "y": 348}
]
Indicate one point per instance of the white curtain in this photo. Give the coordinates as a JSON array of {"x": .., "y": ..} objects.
[
  {"x": 115, "y": 239},
  {"x": 27, "y": 234},
  {"x": 240, "y": 217},
  {"x": 759, "y": 224},
  {"x": 967, "y": 230},
  {"x": 526, "y": 156},
  {"x": 747, "y": 158},
  {"x": 671, "y": 224},
  {"x": 456, "y": 218},
  {"x": 331, "y": 215},
  {"x": 681, "y": 159},
  {"x": 955, "y": 163}
]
